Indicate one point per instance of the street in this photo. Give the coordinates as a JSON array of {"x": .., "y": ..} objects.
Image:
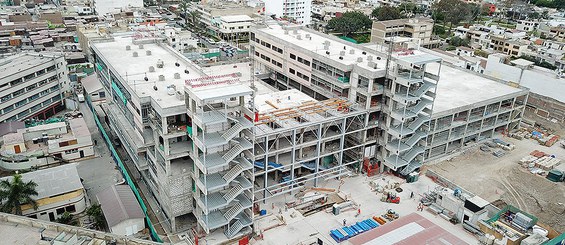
[{"x": 100, "y": 172}]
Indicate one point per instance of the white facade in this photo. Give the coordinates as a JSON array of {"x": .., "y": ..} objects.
[
  {"x": 299, "y": 10},
  {"x": 103, "y": 7},
  {"x": 128, "y": 227},
  {"x": 31, "y": 84}
]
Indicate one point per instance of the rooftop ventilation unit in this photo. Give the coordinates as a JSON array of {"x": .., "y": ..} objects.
[
  {"x": 327, "y": 43},
  {"x": 352, "y": 51},
  {"x": 177, "y": 75},
  {"x": 299, "y": 37},
  {"x": 155, "y": 87},
  {"x": 148, "y": 52},
  {"x": 177, "y": 64},
  {"x": 141, "y": 46},
  {"x": 151, "y": 69},
  {"x": 171, "y": 89},
  {"x": 286, "y": 32},
  {"x": 308, "y": 35},
  {"x": 342, "y": 53},
  {"x": 341, "y": 57},
  {"x": 364, "y": 53},
  {"x": 186, "y": 71},
  {"x": 378, "y": 58},
  {"x": 180, "y": 95},
  {"x": 370, "y": 58},
  {"x": 359, "y": 59},
  {"x": 326, "y": 47},
  {"x": 161, "y": 78},
  {"x": 128, "y": 48},
  {"x": 328, "y": 52},
  {"x": 294, "y": 31},
  {"x": 135, "y": 54},
  {"x": 160, "y": 63},
  {"x": 371, "y": 64}
]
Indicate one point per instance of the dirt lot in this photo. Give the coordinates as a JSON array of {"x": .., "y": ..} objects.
[{"x": 503, "y": 178}]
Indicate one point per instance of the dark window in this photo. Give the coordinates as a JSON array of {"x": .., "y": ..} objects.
[
  {"x": 71, "y": 209},
  {"x": 60, "y": 211},
  {"x": 292, "y": 56}
]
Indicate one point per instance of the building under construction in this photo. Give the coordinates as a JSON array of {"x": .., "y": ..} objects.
[{"x": 213, "y": 141}]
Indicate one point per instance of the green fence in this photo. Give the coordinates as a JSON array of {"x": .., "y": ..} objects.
[{"x": 116, "y": 157}]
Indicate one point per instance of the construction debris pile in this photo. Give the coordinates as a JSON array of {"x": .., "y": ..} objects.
[
  {"x": 538, "y": 162},
  {"x": 542, "y": 136},
  {"x": 495, "y": 144}
]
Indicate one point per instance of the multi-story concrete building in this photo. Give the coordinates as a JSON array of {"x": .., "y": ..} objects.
[
  {"x": 298, "y": 10},
  {"x": 315, "y": 108},
  {"x": 417, "y": 28},
  {"x": 33, "y": 85},
  {"x": 407, "y": 100},
  {"x": 234, "y": 28},
  {"x": 210, "y": 14}
]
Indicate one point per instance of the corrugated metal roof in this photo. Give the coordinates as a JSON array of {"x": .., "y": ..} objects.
[
  {"x": 119, "y": 204},
  {"x": 53, "y": 181}
]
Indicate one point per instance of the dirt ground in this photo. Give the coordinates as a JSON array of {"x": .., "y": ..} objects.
[
  {"x": 503, "y": 178},
  {"x": 556, "y": 128}
]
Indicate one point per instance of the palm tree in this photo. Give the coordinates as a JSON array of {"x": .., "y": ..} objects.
[
  {"x": 15, "y": 193},
  {"x": 183, "y": 6}
]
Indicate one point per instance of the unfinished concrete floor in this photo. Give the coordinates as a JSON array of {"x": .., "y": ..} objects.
[
  {"x": 306, "y": 230},
  {"x": 503, "y": 178}
]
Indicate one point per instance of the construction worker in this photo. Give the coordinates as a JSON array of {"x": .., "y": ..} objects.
[
  {"x": 411, "y": 195},
  {"x": 344, "y": 222}
]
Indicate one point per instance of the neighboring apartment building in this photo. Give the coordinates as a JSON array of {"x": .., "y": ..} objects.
[
  {"x": 33, "y": 85},
  {"x": 45, "y": 144},
  {"x": 211, "y": 13},
  {"x": 507, "y": 46},
  {"x": 103, "y": 7},
  {"x": 234, "y": 28},
  {"x": 527, "y": 25},
  {"x": 59, "y": 190},
  {"x": 417, "y": 28},
  {"x": 298, "y": 10}
]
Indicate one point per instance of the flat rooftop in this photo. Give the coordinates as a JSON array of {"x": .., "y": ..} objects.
[
  {"x": 21, "y": 62},
  {"x": 53, "y": 181},
  {"x": 135, "y": 69},
  {"x": 406, "y": 230},
  {"x": 316, "y": 42},
  {"x": 280, "y": 100},
  {"x": 457, "y": 88}
]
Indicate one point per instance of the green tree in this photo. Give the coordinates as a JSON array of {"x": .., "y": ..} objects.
[
  {"x": 15, "y": 192},
  {"x": 453, "y": 11},
  {"x": 387, "y": 13},
  {"x": 350, "y": 22},
  {"x": 183, "y": 7},
  {"x": 95, "y": 213},
  {"x": 67, "y": 219},
  {"x": 457, "y": 41}
]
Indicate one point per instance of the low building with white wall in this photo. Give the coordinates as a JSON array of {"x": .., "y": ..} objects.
[
  {"x": 59, "y": 190},
  {"x": 121, "y": 210}
]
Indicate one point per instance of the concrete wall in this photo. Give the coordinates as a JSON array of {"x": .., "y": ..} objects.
[
  {"x": 51, "y": 226},
  {"x": 128, "y": 227}
]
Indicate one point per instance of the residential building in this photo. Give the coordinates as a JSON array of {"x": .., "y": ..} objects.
[
  {"x": 527, "y": 25},
  {"x": 298, "y": 10},
  {"x": 44, "y": 144},
  {"x": 59, "y": 190},
  {"x": 507, "y": 46},
  {"x": 93, "y": 89},
  {"x": 211, "y": 13},
  {"x": 33, "y": 85},
  {"x": 103, "y": 7},
  {"x": 121, "y": 210},
  {"x": 557, "y": 33},
  {"x": 417, "y": 28},
  {"x": 235, "y": 28}
]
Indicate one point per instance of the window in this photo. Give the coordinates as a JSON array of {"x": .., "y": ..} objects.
[
  {"x": 34, "y": 97},
  {"x": 31, "y": 87},
  {"x": 292, "y": 56},
  {"x": 21, "y": 103},
  {"x": 30, "y": 76},
  {"x": 291, "y": 70},
  {"x": 17, "y": 93},
  {"x": 70, "y": 209},
  {"x": 60, "y": 211},
  {"x": 71, "y": 151},
  {"x": 6, "y": 98},
  {"x": 9, "y": 109},
  {"x": 17, "y": 81}
]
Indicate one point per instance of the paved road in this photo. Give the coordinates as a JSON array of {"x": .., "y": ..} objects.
[{"x": 100, "y": 172}]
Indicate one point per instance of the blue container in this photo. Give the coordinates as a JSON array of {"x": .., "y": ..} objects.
[{"x": 263, "y": 212}]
